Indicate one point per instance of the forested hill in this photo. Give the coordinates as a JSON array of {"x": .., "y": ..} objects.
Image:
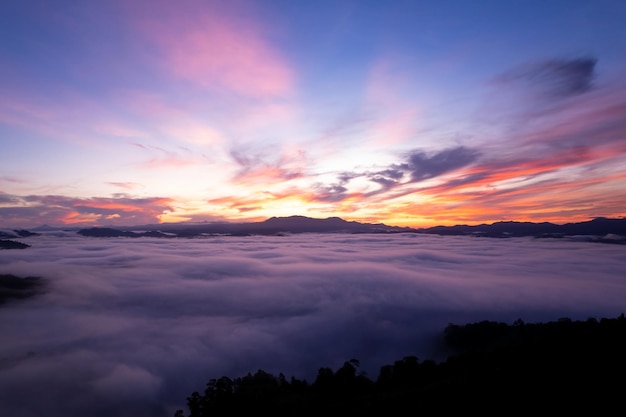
[
  {"x": 563, "y": 366},
  {"x": 12, "y": 244}
]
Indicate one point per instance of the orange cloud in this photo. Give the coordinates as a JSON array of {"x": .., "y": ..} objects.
[
  {"x": 124, "y": 185},
  {"x": 554, "y": 199},
  {"x": 80, "y": 218},
  {"x": 56, "y": 210}
]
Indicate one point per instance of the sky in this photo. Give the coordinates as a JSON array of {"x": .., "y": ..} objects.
[
  {"x": 132, "y": 327},
  {"x": 411, "y": 113}
]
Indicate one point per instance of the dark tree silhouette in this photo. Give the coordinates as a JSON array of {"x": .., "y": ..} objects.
[{"x": 563, "y": 366}]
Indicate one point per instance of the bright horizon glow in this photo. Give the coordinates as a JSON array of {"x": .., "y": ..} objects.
[{"x": 406, "y": 113}]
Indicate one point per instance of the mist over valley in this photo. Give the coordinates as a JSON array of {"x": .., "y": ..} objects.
[{"x": 133, "y": 326}]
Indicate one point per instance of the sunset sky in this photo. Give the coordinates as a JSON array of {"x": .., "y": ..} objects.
[{"x": 412, "y": 113}]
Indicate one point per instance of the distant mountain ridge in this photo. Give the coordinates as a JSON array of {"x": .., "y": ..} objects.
[
  {"x": 271, "y": 226},
  {"x": 601, "y": 229},
  {"x": 597, "y": 227}
]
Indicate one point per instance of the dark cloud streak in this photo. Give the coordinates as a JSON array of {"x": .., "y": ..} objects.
[
  {"x": 418, "y": 166},
  {"x": 423, "y": 166},
  {"x": 556, "y": 78}
]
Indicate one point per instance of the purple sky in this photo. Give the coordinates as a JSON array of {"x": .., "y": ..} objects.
[{"x": 404, "y": 112}]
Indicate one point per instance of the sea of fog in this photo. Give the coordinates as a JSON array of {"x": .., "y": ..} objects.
[{"x": 132, "y": 327}]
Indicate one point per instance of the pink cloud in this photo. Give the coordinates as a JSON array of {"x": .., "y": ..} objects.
[
  {"x": 163, "y": 158},
  {"x": 386, "y": 91},
  {"x": 205, "y": 45},
  {"x": 125, "y": 185},
  {"x": 277, "y": 168},
  {"x": 167, "y": 119}
]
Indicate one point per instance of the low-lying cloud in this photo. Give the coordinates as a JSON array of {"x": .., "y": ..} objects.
[{"x": 133, "y": 326}]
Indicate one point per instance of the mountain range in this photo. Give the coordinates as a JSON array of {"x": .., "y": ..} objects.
[
  {"x": 597, "y": 227},
  {"x": 271, "y": 226},
  {"x": 601, "y": 229}
]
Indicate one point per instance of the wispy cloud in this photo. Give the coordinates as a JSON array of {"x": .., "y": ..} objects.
[
  {"x": 125, "y": 185},
  {"x": 555, "y": 78},
  {"x": 269, "y": 166},
  {"x": 214, "y": 49},
  {"x": 388, "y": 95},
  {"x": 158, "y": 157}
]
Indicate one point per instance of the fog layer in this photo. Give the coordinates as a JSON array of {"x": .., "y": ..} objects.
[{"x": 132, "y": 326}]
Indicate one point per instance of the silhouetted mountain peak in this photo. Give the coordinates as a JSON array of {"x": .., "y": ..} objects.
[
  {"x": 303, "y": 224},
  {"x": 44, "y": 228},
  {"x": 303, "y": 220}
]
